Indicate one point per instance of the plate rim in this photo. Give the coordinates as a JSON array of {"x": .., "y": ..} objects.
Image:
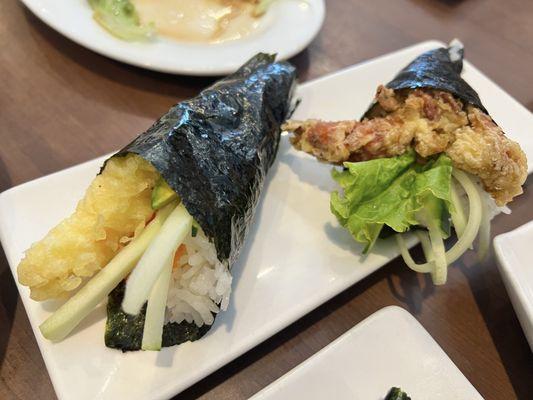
[{"x": 206, "y": 71}]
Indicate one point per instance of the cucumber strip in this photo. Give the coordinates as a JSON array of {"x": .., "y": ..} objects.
[
  {"x": 440, "y": 266},
  {"x": 457, "y": 212},
  {"x": 138, "y": 286},
  {"x": 484, "y": 230},
  {"x": 69, "y": 315},
  {"x": 433, "y": 247},
  {"x": 426, "y": 245},
  {"x": 422, "y": 268},
  {"x": 469, "y": 234},
  {"x": 155, "y": 310},
  {"x": 434, "y": 250},
  {"x": 474, "y": 217}
]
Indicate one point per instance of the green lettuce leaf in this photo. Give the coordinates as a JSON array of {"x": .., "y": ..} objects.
[{"x": 398, "y": 192}]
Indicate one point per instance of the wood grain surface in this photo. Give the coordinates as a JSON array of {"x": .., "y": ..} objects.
[{"x": 61, "y": 104}]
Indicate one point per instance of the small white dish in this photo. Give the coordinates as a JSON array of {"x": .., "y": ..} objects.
[
  {"x": 286, "y": 29},
  {"x": 295, "y": 258},
  {"x": 513, "y": 252},
  {"x": 388, "y": 349}
]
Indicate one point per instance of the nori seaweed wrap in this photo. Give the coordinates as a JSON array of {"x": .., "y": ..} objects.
[
  {"x": 214, "y": 152},
  {"x": 215, "y": 149},
  {"x": 397, "y": 394},
  {"x": 172, "y": 210},
  {"x": 438, "y": 69}
]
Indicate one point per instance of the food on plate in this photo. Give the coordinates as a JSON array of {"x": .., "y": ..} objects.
[
  {"x": 397, "y": 394},
  {"x": 209, "y": 21},
  {"x": 120, "y": 18},
  {"x": 169, "y": 212},
  {"x": 425, "y": 156}
]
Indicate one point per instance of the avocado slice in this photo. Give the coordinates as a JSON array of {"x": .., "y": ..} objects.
[{"x": 162, "y": 194}]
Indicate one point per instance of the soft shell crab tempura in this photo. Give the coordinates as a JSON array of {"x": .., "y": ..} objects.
[{"x": 431, "y": 122}]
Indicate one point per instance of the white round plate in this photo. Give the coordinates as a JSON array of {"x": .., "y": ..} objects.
[{"x": 286, "y": 29}]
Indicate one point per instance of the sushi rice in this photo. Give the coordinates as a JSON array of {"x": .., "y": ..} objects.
[{"x": 200, "y": 284}]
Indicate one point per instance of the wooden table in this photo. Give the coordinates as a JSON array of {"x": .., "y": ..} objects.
[{"x": 61, "y": 104}]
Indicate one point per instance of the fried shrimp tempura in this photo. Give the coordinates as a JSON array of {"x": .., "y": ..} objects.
[
  {"x": 115, "y": 208},
  {"x": 429, "y": 121}
]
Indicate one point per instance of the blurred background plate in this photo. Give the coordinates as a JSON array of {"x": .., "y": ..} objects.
[
  {"x": 286, "y": 29},
  {"x": 513, "y": 252}
]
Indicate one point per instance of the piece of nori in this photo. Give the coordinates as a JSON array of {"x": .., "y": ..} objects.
[
  {"x": 125, "y": 331},
  {"x": 435, "y": 69},
  {"x": 397, "y": 394},
  {"x": 214, "y": 151}
]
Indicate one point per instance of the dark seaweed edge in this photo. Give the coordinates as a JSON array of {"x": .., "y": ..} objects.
[
  {"x": 395, "y": 393},
  {"x": 124, "y": 332},
  {"x": 435, "y": 69}
]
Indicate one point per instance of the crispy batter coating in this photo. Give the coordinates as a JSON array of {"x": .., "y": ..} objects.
[
  {"x": 483, "y": 150},
  {"x": 429, "y": 121},
  {"x": 116, "y": 206}
]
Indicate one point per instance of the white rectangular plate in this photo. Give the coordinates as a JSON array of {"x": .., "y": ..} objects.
[
  {"x": 513, "y": 251},
  {"x": 389, "y": 348},
  {"x": 295, "y": 258}
]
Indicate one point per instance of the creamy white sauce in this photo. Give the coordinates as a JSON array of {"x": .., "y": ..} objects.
[{"x": 208, "y": 21}]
